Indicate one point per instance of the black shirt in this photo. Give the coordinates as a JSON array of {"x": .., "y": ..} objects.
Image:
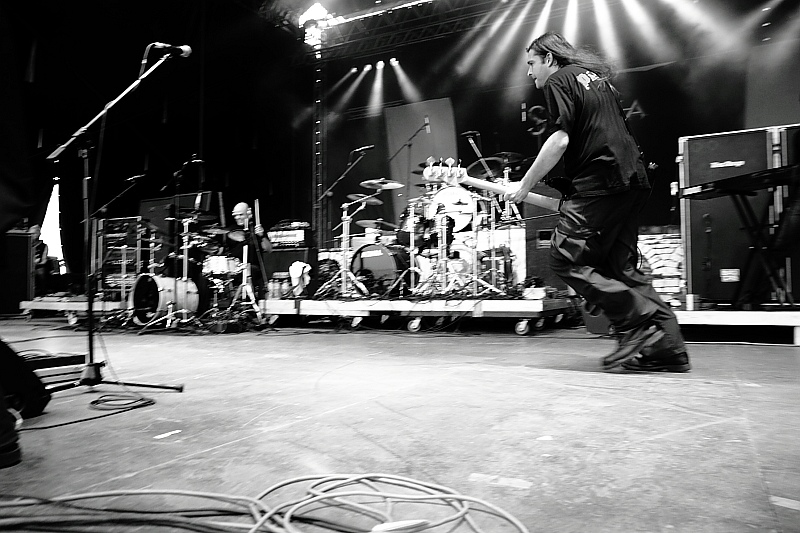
[{"x": 602, "y": 156}]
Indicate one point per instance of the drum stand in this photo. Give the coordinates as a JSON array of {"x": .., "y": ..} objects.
[
  {"x": 245, "y": 293},
  {"x": 474, "y": 277},
  {"x": 169, "y": 318},
  {"x": 344, "y": 275},
  {"x": 412, "y": 264}
]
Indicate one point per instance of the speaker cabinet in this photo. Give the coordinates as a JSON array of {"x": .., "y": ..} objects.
[
  {"x": 17, "y": 273},
  {"x": 539, "y": 224},
  {"x": 716, "y": 244},
  {"x": 280, "y": 259}
]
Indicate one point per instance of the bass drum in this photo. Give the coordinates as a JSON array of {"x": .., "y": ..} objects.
[
  {"x": 151, "y": 295},
  {"x": 379, "y": 267},
  {"x": 455, "y": 202}
]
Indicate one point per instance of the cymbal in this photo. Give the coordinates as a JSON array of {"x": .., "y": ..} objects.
[
  {"x": 364, "y": 199},
  {"x": 376, "y": 224},
  {"x": 157, "y": 241},
  {"x": 198, "y": 216},
  {"x": 215, "y": 231},
  {"x": 509, "y": 158},
  {"x": 236, "y": 235},
  {"x": 478, "y": 170},
  {"x": 382, "y": 184},
  {"x": 419, "y": 199}
]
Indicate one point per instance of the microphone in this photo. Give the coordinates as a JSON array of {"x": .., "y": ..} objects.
[
  {"x": 364, "y": 148},
  {"x": 472, "y": 133},
  {"x": 427, "y": 124},
  {"x": 134, "y": 178},
  {"x": 182, "y": 51}
]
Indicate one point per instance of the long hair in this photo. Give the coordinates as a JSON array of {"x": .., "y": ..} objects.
[{"x": 565, "y": 54}]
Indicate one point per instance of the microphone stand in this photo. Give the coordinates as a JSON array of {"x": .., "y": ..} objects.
[
  {"x": 408, "y": 144},
  {"x": 91, "y": 374}
]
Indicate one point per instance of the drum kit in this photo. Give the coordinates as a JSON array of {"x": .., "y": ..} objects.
[
  {"x": 433, "y": 249},
  {"x": 197, "y": 285}
]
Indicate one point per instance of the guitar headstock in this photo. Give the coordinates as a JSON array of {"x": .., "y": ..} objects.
[{"x": 444, "y": 171}]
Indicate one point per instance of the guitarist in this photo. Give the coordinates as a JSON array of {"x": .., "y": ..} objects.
[{"x": 594, "y": 245}]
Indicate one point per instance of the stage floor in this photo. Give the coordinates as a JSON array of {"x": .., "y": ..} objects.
[{"x": 528, "y": 423}]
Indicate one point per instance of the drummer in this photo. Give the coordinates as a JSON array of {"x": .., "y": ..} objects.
[{"x": 240, "y": 238}]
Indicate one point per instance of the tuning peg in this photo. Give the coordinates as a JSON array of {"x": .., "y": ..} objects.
[{"x": 449, "y": 161}]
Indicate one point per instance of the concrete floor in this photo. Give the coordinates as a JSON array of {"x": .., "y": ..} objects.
[{"x": 527, "y": 423}]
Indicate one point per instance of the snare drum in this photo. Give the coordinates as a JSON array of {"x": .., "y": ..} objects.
[
  {"x": 151, "y": 296},
  {"x": 221, "y": 265}
]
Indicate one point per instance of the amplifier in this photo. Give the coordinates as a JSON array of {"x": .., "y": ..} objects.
[
  {"x": 716, "y": 243},
  {"x": 290, "y": 238}
]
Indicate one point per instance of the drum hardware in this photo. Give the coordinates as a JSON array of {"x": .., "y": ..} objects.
[
  {"x": 182, "y": 288},
  {"x": 367, "y": 199},
  {"x": 344, "y": 276},
  {"x": 245, "y": 293},
  {"x": 412, "y": 268}
]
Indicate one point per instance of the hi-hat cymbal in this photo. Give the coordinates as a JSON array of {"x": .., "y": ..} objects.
[
  {"x": 382, "y": 184},
  {"x": 376, "y": 224},
  {"x": 215, "y": 230},
  {"x": 364, "y": 199}
]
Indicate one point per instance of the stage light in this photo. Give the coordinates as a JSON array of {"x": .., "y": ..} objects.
[
  {"x": 353, "y": 70},
  {"x": 379, "y": 65},
  {"x": 367, "y": 67},
  {"x": 314, "y": 13},
  {"x": 410, "y": 92},
  {"x": 571, "y": 21},
  {"x": 376, "y": 94},
  {"x": 394, "y": 62},
  {"x": 649, "y": 31},
  {"x": 605, "y": 27}
]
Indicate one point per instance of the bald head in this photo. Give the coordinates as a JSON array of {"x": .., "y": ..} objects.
[{"x": 241, "y": 212}]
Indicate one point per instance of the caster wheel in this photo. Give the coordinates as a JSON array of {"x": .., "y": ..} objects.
[
  {"x": 522, "y": 327},
  {"x": 538, "y": 324},
  {"x": 414, "y": 325},
  {"x": 355, "y": 322}
]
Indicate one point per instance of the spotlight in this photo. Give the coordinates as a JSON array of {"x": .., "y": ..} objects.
[
  {"x": 367, "y": 67},
  {"x": 394, "y": 62},
  {"x": 379, "y": 65},
  {"x": 354, "y": 70}
]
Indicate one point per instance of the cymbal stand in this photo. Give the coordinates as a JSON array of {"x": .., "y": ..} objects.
[
  {"x": 474, "y": 276},
  {"x": 169, "y": 318},
  {"x": 510, "y": 212},
  {"x": 245, "y": 290},
  {"x": 412, "y": 258},
  {"x": 344, "y": 276}
]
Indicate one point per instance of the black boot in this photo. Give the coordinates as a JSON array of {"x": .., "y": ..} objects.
[{"x": 659, "y": 363}]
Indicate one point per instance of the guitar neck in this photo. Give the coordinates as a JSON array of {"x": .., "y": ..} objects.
[{"x": 540, "y": 200}]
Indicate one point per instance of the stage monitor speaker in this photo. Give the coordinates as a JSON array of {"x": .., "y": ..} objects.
[
  {"x": 17, "y": 272},
  {"x": 24, "y": 390},
  {"x": 716, "y": 243},
  {"x": 280, "y": 259}
]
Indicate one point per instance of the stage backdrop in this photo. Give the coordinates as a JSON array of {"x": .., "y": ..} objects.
[{"x": 410, "y": 143}]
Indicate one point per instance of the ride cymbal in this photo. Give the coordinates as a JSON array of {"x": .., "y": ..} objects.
[{"x": 382, "y": 184}]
